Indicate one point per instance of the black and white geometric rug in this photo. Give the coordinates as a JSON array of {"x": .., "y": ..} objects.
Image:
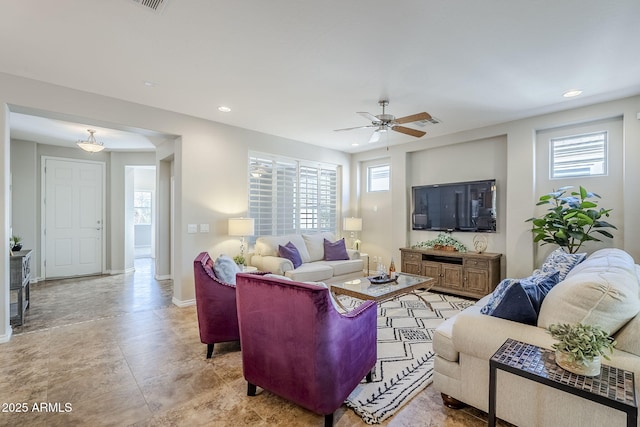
[{"x": 405, "y": 352}]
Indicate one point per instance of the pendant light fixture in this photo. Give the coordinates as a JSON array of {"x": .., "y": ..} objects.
[{"x": 91, "y": 145}]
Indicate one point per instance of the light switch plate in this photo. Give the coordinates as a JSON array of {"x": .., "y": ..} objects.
[
  {"x": 192, "y": 228},
  {"x": 204, "y": 228}
]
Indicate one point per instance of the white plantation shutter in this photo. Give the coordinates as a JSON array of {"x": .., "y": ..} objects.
[
  {"x": 327, "y": 200},
  {"x": 288, "y": 196}
]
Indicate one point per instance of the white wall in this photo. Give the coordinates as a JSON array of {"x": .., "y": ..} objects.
[
  {"x": 209, "y": 165},
  {"x": 520, "y": 171},
  {"x": 375, "y": 209},
  {"x": 5, "y": 214},
  {"x": 24, "y": 196},
  {"x": 467, "y": 161},
  {"x": 605, "y": 185},
  {"x": 120, "y": 207}
]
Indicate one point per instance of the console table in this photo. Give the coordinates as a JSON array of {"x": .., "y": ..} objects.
[
  {"x": 614, "y": 387},
  {"x": 20, "y": 269},
  {"x": 467, "y": 274}
]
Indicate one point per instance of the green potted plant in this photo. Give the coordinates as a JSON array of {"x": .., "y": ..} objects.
[
  {"x": 571, "y": 220},
  {"x": 442, "y": 242},
  {"x": 580, "y": 346},
  {"x": 239, "y": 259},
  {"x": 15, "y": 243}
]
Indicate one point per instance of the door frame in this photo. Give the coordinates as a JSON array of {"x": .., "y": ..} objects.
[{"x": 43, "y": 212}]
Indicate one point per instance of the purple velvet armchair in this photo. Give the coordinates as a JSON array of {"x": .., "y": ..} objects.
[
  {"x": 297, "y": 345},
  {"x": 215, "y": 303}
]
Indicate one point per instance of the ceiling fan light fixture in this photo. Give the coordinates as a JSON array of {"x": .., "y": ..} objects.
[{"x": 91, "y": 145}]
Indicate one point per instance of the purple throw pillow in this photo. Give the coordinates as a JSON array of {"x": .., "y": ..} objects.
[
  {"x": 290, "y": 252},
  {"x": 335, "y": 251}
]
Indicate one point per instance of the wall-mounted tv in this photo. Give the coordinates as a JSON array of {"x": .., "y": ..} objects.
[{"x": 460, "y": 206}]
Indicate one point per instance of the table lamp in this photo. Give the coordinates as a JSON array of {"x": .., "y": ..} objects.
[
  {"x": 353, "y": 225},
  {"x": 242, "y": 227}
]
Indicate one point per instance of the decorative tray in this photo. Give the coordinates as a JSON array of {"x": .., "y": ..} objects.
[{"x": 379, "y": 280}]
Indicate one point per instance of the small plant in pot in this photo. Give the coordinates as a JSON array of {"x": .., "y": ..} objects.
[
  {"x": 15, "y": 243},
  {"x": 580, "y": 346},
  {"x": 239, "y": 259}
]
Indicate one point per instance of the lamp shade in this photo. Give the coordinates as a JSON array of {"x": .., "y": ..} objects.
[
  {"x": 241, "y": 227},
  {"x": 353, "y": 224}
]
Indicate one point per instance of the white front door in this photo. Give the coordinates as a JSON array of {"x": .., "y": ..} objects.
[{"x": 73, "y": 223}]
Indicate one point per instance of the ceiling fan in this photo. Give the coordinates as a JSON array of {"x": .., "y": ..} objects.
[{"x": 383, "y": 122}]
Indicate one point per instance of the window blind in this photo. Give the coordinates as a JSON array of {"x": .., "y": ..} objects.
[
  {"x": 579, "y": 155},
  {"x": 288, "y": 196}
]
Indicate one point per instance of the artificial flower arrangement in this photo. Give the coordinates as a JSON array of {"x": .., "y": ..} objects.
[{"x": 442, "y": 242}]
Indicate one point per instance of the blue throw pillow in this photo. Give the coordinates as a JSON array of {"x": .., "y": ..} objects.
[
  {"x": 497, "y": 295},
  {"x": 225, "y": 269},
  {"x": 290, "y": 252},
  {"x": 560, "y": 261},
  {"x": 521, "y": 302},
  {"x": 336, "y": 251}
]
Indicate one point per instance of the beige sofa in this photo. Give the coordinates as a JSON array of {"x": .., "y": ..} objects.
[
  {"x": 602, "y": 290},
  {"x": 314, "y": 268}
]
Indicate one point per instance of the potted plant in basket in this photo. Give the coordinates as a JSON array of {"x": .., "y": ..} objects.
[
  {"x": 442, "y": 242},
  {"x": 579, "y": 347},
  {"x": 571, "y": 220}
]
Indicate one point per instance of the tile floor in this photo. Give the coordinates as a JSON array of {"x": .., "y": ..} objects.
[{"x": 114, "y": 351}]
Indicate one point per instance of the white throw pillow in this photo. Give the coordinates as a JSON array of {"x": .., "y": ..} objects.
[
  {"x": 268, "y": 245},
  {"x": 315, "y": 244},
  {"x": 226, "y": 269},
  {"x": 561, "y": 261}
]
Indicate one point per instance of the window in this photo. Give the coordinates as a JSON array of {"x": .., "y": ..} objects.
[
  {"x": 378, "y": 178},
  {"x": 291, "y": 196},
  {"x": 142, "y": 207},
  {"x": 579, "y": 155}
]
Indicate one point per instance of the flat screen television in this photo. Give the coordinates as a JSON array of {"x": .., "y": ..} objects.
[{"x": 460, "y": 206}]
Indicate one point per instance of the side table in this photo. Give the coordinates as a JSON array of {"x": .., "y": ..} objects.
[
  {"x": 614, "y": 387},
  {"x": 20, "y": 268}
]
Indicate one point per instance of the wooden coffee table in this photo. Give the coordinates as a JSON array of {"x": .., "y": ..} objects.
[{"x": 363, "y": 289}]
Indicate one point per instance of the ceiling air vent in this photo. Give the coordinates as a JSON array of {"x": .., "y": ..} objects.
[
  {"x": 431, "y": 121},
  {"x": 156, "y": 6}
]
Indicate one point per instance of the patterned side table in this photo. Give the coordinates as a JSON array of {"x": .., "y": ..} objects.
[{"x": 614, "y": 387}]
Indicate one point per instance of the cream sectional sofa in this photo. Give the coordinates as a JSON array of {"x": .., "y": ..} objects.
[
  {"x": 314, "y": 267},
  {"x": 602, "y": 290}
]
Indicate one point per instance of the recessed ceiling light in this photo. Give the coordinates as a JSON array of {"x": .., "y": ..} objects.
[
  {"x": 355, "y": 144},
  {"x": 149, "y": 83},
  {"x": 572, "y": 93},
  {"x": 224, "y": 109}
]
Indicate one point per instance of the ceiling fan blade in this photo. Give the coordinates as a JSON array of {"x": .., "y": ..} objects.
[
  {"x": 414, "y": 118},
  {"x": 369, "y": 116},
  {"x": 375, "y": 137},
  {"x": 357, "y": 127},
  {"x": 409, "y": 131}
]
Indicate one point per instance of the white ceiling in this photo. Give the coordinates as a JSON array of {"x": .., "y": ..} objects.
[{"x": 300, "y": 69}]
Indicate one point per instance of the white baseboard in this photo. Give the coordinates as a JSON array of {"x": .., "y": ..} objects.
[
  {"x": 114, "y": 272},
  {"x": 165, "y": 277},
  {"x": 6, "y": 337},
  {"x": 181, "y": 304}
]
